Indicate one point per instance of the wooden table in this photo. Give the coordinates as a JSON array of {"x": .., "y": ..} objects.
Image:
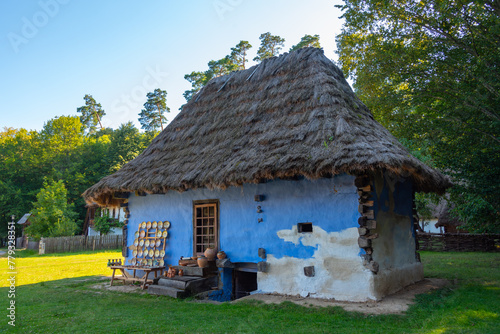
[{"x": 127, "y": 277}]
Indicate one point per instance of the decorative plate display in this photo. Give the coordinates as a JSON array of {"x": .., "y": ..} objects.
[
  {"x": 150, "y": 262},
  {"x": 157, "y": 253},
  {"x": 144, "y": 262},
  {"x": 165, "y": 234},
  {"x": 160, "y": 224},
  {"x": 136, "y": 234},
  {"x": 154, "y": 225},
  {"x": 132, "y": 247},
  {"x": 161, "y": 262},
  {"x": 148, "y": 225},
  {"x": 143, "y": 225},
  {"x": 143, "y": 233},
  {"x": 166, "y": 224},
  {"x": 151, "y": 252},
  {"x": 158, "y": 243},
  {"x": 136, "y": 242},
  {"x": 139, "y": 253},
  {"x": 141, "y": 243},
  {"x": 146, "y": 243},
  {"x": 134, "y": 253},
  {"x": 133, "y": 262},
  {"x": 158, "y": 234},
  {"x": 162, "y": 253}
]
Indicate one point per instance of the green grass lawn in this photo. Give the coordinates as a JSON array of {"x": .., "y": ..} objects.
[{"x": 56, "y": 295}]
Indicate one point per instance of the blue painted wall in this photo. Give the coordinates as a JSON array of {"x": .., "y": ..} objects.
[{"x": 328, "y": 203}]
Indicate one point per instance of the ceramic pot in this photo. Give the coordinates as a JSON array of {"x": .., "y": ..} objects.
[
  {"x": 210, "y": 253},
  {"x": 181, "y": 272},
  {"x": 202, "y": 262},
  {"x": 221, "y": 255}
]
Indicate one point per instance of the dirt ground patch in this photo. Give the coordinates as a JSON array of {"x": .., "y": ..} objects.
[
  {"x": 397, "y": 303},
  {"x": 120, "y": 287}
]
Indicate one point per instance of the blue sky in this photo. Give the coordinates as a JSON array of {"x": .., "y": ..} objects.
[{"x": 53, "y": 52}]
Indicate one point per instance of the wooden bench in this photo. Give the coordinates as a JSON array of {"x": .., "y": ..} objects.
[{"x": 127, "y": 277}]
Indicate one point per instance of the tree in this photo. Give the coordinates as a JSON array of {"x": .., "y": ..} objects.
[
  {"x": 223, "y": 66},
  {"x": 306, "y": 41},
  {"x": 92, "y": 113},
  {"x": 126, "y": 143},
  {"x": 151, "y": 117},
  {"x": 52, "y": 216},
  {"x": 216, "y": 68},
  {"x": 429, "y": 72},
  {"x": 18, "y": 179},
  {"x": 239, "y": 54},
  {"x": 270, "y": 46},
  {"x": 197, "y": 80}
]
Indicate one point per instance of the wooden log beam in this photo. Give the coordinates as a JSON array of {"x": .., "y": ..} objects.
[{"x": 364, "y": 243}]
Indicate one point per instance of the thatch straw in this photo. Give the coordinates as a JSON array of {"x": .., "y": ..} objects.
[{"x": 290, "y": 116}]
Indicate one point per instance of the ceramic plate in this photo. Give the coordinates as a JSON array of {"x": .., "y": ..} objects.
[
  {"x": 150, "y": 262},
  {"x": 144, "y": 262},
  {"x": 151, "y": 252},
  {"x": 133, "y": 262},
  {"x": 143, "y": 233},
  {"x": 146, "y": 243},
  {"x": 139, "y": 253},
  {"x": 154, "y": 225},
  {"x": 136, "y": 234},
  {"x": 157, "y": 253},
  {"x": 148, "y": 225},
  {"x": 160, "y": 224},
  {"x": 161, "y": 262},
  {"x": 134, "y": 253},
  {"x": 162, "y": 253},
  {"x": 158, "y": 234},
  {"x": 158, "y": 243},
  {"x": 165, "y": 234},
  {"x": 143, "y": 225},
  {"x": 141, "y": 243},
  {"x": 136, "y": 242},
  {"x": 166, "y": 224}
]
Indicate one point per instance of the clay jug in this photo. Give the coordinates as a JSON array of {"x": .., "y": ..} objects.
[
  {"x": 210, "y": 253},
  {"x": 181, "y": 272},
  {"x": 202, "y": 262},
  {"x": 221, "y": 255}
]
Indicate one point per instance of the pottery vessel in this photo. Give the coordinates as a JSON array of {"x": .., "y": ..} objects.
[
  {"x": 221, "y": 255},
  {"x": 210, "y": 253},
  {"x": 202, "y": 262},
  {"x": 181, "y": 272}
]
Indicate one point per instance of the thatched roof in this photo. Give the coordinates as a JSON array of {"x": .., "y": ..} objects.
[
  {"x": 445, "y": 217},
  {"x": 290, "y": 116}
]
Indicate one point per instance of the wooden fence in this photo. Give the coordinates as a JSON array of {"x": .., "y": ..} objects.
[
  {"x": 81, "y": 243},
  {"x": 459, "y": 242}
]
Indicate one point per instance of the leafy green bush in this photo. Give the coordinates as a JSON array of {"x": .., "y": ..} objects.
[
  {"x": 103, "y": 223},
  {"x": 52, "y": 216}
]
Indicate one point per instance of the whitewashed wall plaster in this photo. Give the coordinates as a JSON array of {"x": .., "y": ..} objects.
[{"x": 339, "y": 270}]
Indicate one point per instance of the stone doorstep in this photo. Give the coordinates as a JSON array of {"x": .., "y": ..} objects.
[
  {"x": 179, "y": 282},
  {"x": 160, "y": 290},
  {"x": 186, "y": 285}
]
